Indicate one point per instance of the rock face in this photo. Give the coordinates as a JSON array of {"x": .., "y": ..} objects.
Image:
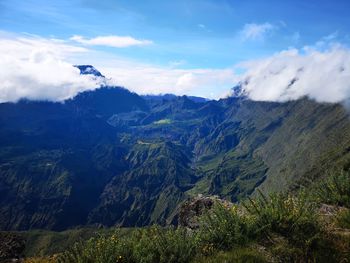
[
  {"x": 11, "y": 247},
  {"x": 191, "y": 210}
]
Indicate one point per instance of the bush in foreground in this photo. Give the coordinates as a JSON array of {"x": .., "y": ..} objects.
[
  {"x": 224, "y": 228},
  {"x": 99, "y": 250},
  {"x": 151, "y": 245},
  {"x": 292, "y": 217},
  {"x": 343, "y": 219},
  {"x": 335, "y": 189},
  {"x": 164, "y": 245}
]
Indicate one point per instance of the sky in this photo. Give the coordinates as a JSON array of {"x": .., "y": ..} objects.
[{"x": 193, "y": 47}]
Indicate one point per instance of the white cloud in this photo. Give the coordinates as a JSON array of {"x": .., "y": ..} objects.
[
  {"x": 291, "y": 74},
  {"x": 256, "y": 31},
  {"x": 34, "y": 68},
  {"x": 20, "y": 46},
  {"x": 39, "y": 68},
  {"x": 148, "y": 79},
  {"x": 111, "y": 41}
]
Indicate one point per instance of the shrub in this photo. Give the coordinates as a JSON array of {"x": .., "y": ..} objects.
[
  {"x": 291, "y": 225},
  {"x": 164, "y": 245},
  {"x": 291, "y": 217},
  {"x": 343, "y": 219},
  {"x": 237, "y": 255},
  {"x": 150, "y": 245},
  {"x": 223, "y": 228},
  {"x": 335, "y": 189},
  {"x": 99, "y": 250}
]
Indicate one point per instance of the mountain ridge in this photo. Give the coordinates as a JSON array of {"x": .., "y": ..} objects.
[{"x": 112, "y": 157}]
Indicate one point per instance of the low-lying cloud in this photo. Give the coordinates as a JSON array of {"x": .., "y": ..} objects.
[
  {"x": 292, "y": 74},
  {"x": 210, "y": 83},
  {"x": 41, "y": 69},
  {"x": 34, "y": 68}
]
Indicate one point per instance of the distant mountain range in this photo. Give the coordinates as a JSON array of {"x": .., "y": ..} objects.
[{"x": 112, "y": 157}]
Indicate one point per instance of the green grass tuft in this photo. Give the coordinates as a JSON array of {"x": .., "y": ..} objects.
[
  {"x": 224, "y": 228},
  {"x": 335, "y": 189}
]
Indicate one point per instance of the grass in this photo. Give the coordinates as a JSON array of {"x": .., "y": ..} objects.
[
  {"x": 290, "y": 226},
  {"x": 277, "y": 228},
  {"x": 224, "y": 228},
  {"x": 287, "y": 226},
  {"x": 335, "y": 189},
  {"x": 99, "y": 250},
  {"x": 237, "y": 255},
  {"x": 42, "y": 242},
  {"x": 159, "y": 245},
  {"x": 289, "y": 216},
  {"x": 343, "y": 219},
  {"x": 149, "y": 245}
]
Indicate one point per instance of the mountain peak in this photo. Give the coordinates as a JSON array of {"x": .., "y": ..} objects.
[
  {"x": 89, "y": 70},
  {"x": 238, "y": 91}
]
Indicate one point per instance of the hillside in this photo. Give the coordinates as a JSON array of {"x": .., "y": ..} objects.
[{"x": 112, "y": 157}]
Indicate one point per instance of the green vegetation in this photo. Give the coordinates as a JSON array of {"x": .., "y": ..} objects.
[
  {"x": 343, "y": 219},
  {"x": 335, "y": 189},
  {"x": 142, "y": 246},
  {"x": 238, "y": 255},
  {"x": 290, "y": 225},
  {"x": 87, "y": 161},
  {"x": 43, "y": 242},
  {"x": 292, "y": 217},
  {"x": 224, "y": 228},
  {"x": 273, "y": 228}
]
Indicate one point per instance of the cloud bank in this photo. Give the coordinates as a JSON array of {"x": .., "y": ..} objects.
[
  {"x": 148, "y": 79},
  {"x": 33, "y": 68},
  {"x": 291, "y": 74},
  {"x": 41, "y": 69},
  {"x": 111, "y": 41}
]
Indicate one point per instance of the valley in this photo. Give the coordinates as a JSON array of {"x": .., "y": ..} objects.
[{"x": 113, "y": 158}]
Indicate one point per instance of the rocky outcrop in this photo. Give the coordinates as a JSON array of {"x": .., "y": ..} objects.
[{"x": 191, "y": 210}]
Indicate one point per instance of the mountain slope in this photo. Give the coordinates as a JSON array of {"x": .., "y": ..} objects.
[{"x": 112, "y": 157}]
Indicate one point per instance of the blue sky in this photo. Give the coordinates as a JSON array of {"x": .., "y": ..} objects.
[{"x": 208, "y": 34}]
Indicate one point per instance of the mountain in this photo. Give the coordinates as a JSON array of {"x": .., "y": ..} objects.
[
  {"x": 89, "y": 70},
  {"x": 112, "y": 157},
  {"x": 106, "y": 101},
  {"x": 172, "y": 97}
]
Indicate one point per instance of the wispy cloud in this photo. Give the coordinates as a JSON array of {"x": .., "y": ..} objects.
[
  {"x": 111, "y": 41},
  {"x": 256, "y": 31},
  {"x": 204, "y": 28}
]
